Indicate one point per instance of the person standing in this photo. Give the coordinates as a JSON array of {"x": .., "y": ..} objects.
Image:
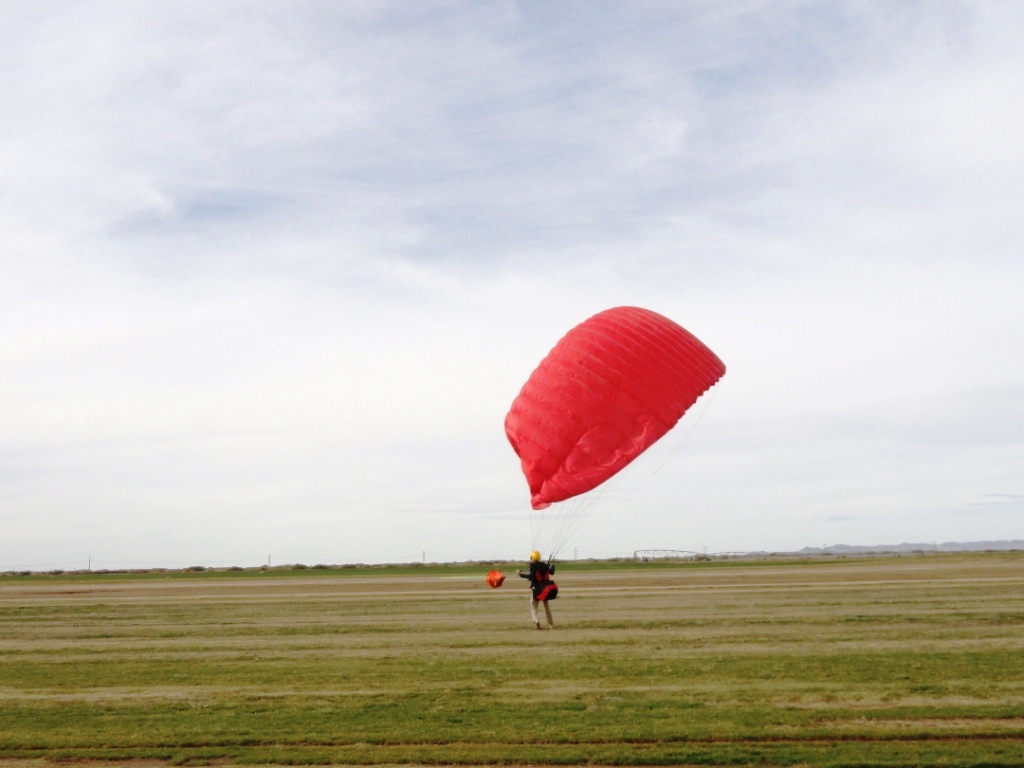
[{"x": 542, "y": 588}]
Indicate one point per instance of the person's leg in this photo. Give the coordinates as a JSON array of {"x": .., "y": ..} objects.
[
  {"x": 533, "y": 612},
  {"x": 547, "y": 611}
]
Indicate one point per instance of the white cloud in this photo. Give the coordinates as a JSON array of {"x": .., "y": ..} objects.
[{"x": 270, "y": 276}]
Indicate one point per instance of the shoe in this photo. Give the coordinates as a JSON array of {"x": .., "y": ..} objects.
[{"x": 537, "y": 624}]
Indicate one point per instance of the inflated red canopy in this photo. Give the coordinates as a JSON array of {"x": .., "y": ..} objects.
[
  {"x": 495, "y": 579},
  {"x": 607, "y": 391}
]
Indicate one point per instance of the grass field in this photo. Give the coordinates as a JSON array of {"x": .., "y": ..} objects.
[{"x": 914, "y": 660}]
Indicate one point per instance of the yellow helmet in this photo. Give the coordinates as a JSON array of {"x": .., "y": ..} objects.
[{"x": 534, "y": 556}]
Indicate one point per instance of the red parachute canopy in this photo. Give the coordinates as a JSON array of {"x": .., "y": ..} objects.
[
  {"x": 607, "y": 391},
  {"x": 495, "y": 579}
]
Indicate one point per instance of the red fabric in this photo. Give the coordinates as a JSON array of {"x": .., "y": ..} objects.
[
  {"x": 550, "y": 592},
  {"x": 495, "y": 579},
  {"x": 609, "y": 389}
]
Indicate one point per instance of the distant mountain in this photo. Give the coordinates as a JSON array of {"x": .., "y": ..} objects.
[{"x": 946, "y": 546}]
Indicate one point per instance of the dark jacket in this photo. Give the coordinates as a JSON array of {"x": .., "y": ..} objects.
[{"x": 541, "y": 585}]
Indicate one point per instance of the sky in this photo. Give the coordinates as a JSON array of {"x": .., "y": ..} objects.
[{"x": 272, "y": 273}]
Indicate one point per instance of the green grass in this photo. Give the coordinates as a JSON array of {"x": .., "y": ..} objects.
[{"x": 845, "y": 662}]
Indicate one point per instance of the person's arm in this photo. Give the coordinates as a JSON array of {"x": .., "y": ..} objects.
[{"x": 523, "y": 575}]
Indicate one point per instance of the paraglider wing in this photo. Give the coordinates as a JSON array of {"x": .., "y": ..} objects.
[{"x": 607, "y": 391}]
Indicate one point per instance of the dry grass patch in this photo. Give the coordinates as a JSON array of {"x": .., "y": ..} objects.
[{"x": 885, "y": 661}]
